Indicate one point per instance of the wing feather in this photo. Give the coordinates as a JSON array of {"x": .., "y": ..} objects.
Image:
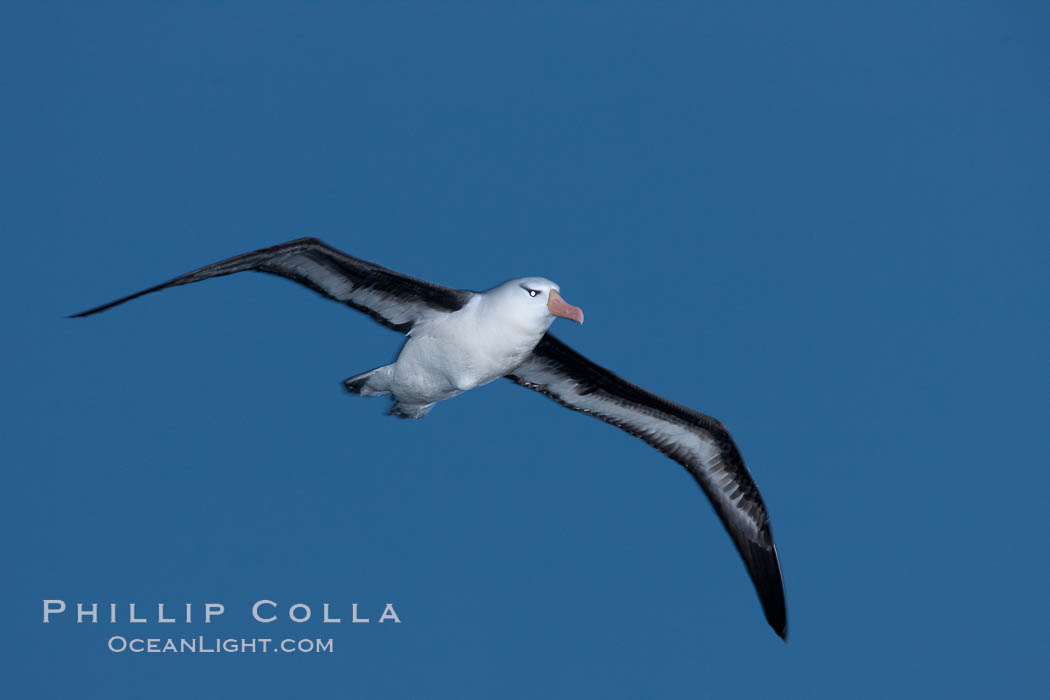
[
  {"x": 698, "y": 442},
  {"x": 397, "y": 301}
]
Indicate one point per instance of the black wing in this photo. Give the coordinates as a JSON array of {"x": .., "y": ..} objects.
[
  {"x": 699, "y": 443},
  {"x": 395, "y": 300}
]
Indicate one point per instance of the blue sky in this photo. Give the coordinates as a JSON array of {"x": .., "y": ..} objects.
[{"x": 824, "y": 224}]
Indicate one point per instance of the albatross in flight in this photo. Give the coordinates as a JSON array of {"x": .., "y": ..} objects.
[{"x": 459, "y": 340}]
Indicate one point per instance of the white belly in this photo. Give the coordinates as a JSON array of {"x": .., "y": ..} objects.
[{"x": 445, "y": 360}]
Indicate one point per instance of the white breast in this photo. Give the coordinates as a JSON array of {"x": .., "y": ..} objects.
[{"x": 460, "y": 351}]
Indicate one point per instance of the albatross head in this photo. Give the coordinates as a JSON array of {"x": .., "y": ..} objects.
[{"x": 535, "y": 300}]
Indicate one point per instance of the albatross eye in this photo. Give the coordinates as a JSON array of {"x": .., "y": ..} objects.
[{"x": 532, "y": 292}]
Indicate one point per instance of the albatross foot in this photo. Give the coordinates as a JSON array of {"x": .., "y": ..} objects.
[{"x": 410, "y": 410}]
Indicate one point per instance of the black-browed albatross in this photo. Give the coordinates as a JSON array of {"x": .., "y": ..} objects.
[{"x": 459, "y": 340}]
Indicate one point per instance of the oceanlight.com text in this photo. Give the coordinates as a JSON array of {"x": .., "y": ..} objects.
[{"x": 218, "y": 645}]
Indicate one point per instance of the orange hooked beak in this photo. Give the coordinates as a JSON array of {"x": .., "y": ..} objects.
[{"x": 559, "y": 307}]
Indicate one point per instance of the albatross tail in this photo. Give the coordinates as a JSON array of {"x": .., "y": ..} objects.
[{"x": 374, "y": 382}]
